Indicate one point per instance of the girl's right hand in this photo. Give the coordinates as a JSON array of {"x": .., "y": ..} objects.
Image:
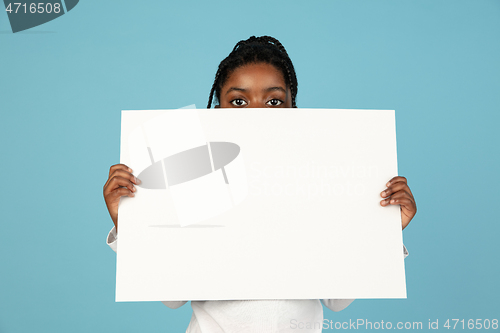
[{"x": 120, "y": 183}]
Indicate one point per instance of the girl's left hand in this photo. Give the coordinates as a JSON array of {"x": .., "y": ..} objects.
[{"x": 398, "y": 193}]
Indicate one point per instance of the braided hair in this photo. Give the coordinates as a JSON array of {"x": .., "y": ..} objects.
[{"x": 255, "y": 50}]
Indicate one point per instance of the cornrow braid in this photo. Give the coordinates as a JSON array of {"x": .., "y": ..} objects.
[{"x": 254, "y": 50}]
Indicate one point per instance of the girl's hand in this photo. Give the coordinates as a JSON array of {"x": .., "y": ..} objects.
[
  {"x": 398, "y": 193},
  {"x": 120, "y": 183}
]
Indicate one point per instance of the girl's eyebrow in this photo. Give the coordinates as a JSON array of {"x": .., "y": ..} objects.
[
  {"x": 235, "y": 89},
  {"x": 265, "y": 89},
  {"x": 275, "y": 88}
]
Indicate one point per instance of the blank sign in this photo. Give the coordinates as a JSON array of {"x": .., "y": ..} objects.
[{"x": 259, "y": 204}]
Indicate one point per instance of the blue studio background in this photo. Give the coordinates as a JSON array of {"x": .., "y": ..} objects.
[{"x": 64, "y": 83}]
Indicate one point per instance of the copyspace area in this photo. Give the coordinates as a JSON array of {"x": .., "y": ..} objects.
[{"x": 64, "y": 84}]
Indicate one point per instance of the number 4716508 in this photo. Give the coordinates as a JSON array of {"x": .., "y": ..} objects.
[
  {"x": 472, "y": 324},
  {"x": 39, "y": 8}
]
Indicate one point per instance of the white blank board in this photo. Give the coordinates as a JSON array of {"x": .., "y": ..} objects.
[{"x": 259, "y": 204}]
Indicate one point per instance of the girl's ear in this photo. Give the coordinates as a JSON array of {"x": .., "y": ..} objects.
[{"x": 217, "y": 107}]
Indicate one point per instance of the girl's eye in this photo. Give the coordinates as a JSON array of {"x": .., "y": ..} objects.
[
  {"x": 275, "y": 102},
  {"x": 238, "y": 102}
]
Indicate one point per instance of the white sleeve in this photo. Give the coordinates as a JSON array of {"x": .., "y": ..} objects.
[
  {"x": 174, "y": 304},
  {"x": 337, "y": 304},
  {"x": 112, "y": 241},
  {"x": 405, "y": 251},
  {"x": 340, "y": 304}
]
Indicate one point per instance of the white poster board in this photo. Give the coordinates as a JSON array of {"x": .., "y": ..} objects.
[{"x": 259, "y": 204}]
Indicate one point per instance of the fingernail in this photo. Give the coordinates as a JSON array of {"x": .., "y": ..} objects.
[
  {"x": 133, "y": 189},
  {"x": 393, "y": 201},
  {"x": 130, "y": 170},
  {"x": 384, "y": 193},
  {"x": 132, "y": 194},
  {"x": 138, "y": 181},
  {"x": 388, "y": 184}
]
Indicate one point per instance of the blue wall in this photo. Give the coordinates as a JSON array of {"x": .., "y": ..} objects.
[{"x": 64, "y": 83}]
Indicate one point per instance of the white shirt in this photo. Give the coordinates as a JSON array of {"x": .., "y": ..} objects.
[{"x": 255, "y": 316}]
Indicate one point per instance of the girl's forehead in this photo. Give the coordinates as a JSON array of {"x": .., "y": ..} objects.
[{"x": 256, "y": 73}]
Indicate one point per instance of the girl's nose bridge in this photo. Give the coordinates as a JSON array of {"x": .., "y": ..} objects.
[{"x": 257, "y": 101}]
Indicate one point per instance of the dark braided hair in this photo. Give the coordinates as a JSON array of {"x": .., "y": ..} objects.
[{"x": 255, "y": 50}]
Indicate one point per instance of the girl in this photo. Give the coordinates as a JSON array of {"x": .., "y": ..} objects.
[{"x": 258, "y": 73}]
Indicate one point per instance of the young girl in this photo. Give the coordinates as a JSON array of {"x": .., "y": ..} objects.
[{"x": 257, "y": 74}]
